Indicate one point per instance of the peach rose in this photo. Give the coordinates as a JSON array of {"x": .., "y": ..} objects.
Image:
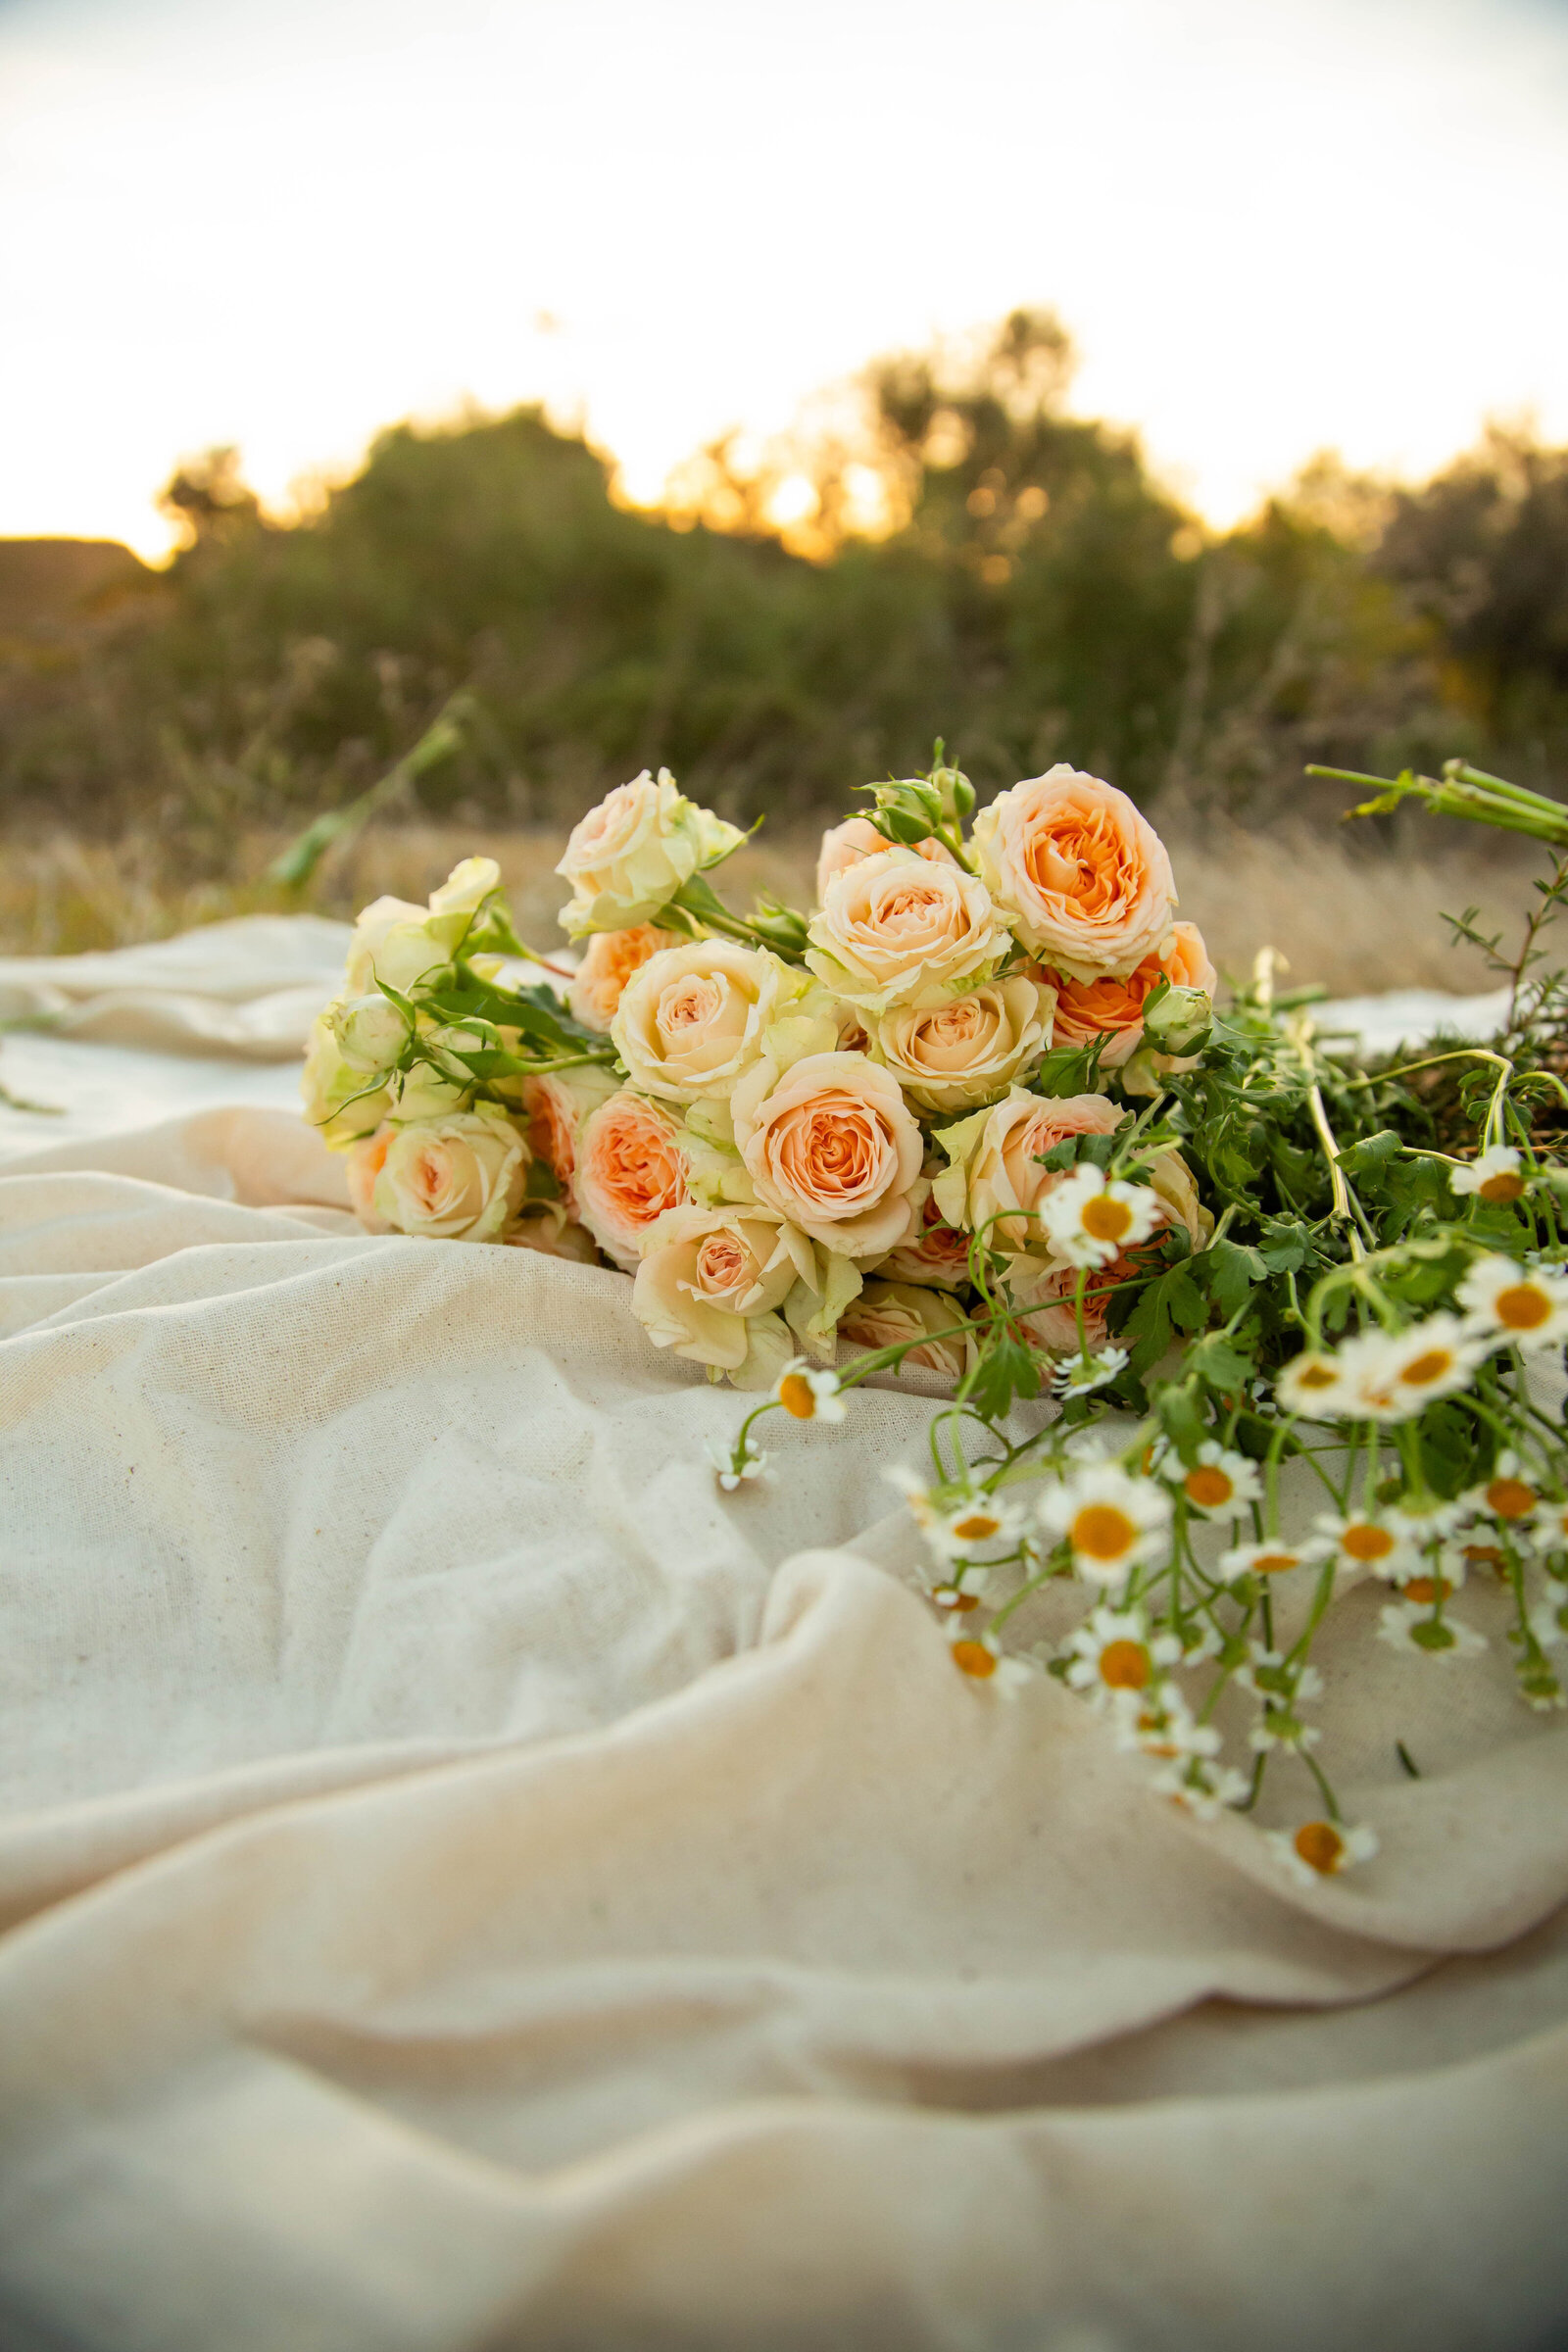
[
  {"x": 630, "y": 1169},
  {"x": 995, "y": 1172},
  {"x": 555, "y": 1106},
  {"x": 936, "y": 1253},
  {"x": 363, "y": 1165},
  {"x": 1084, "y": 877},
  {"x": 845, "y": 845},
  {"x": 888, "y": 1314},
  {"x": 694, "y": 1018},
  {"x": 831, "y": 1146},
  {"x": 949, "y": 1056},
  {"x": 1053, "y": 1287},
  {"x": 898, "y": 929},
  {"x": 608, "y": 963},
  {"x": 453, "y": 1179},
  {"x": 1113, "y": 1009},
  {"x": 707, "y": 1272}
]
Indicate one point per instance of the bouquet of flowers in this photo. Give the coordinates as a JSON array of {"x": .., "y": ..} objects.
[{"x": 977, "y": 1113}]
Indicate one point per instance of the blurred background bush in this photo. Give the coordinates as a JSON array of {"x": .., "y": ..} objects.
[{"x": 945, "y": 552}]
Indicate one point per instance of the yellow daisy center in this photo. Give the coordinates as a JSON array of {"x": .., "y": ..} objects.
[
  {"x": 1124, "y": 1665},
  {"x": 798, "y": 1397},
  {"x": 1270, "y": 1563},
  {"x": 1316, "y": 1375},
  {"x": 1207, "y": 1487},
  {"x": 973, "y": 1657},
  {"x": 977, "y": 1526},
  {"x": 1510, "y": 1498},
  {"x": 1320, "y": 1846},
  {"x": 1425, "y": 1589},
  {"x": 1366, "y": 1542},
  {"x": 1103, "y": 1532},
  {"x": 1105, "y": 1219},
  {"x": 1502, "y": 1188},
  {"x": 1432, "y": 1365},
  {"x": 1522, "y": 1307}
]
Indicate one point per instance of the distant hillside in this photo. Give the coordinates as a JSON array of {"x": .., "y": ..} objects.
[
  {"x": 1035, "y": 595},
  {"x": 50, "y": 584}
]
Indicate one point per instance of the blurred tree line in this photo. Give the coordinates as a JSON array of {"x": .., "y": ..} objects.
[{"x": 952, "y": 554}]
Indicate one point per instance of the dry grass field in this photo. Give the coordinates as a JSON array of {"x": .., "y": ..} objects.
[{"x": 1336, "y": 903}]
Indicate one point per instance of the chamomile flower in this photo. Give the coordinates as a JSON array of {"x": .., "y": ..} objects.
[
  {"x": 1527, "y": 1307},
  {"x": 1113, "y": 1522},
  {"x": 1311, "y": 1385},
  {"x": 1322, "y": 1849},
  {"x": 973, "y": 1523},
  {"x": 1115, "y": 1659},
  {"x": 1494, "y": 1176},
  {"x": 1164, "y": 1727},
  {"x": 1219, "y": 1483},
  {"x": 1366, "y": 1542},
  {"x": 1201, "y": 1786},
  {"x": 1390, "y": 1376},
  {"x": 1423, "y": 1520},
  {"x": 1424, "y": 1586},
  {"x": 1274, "y": 1556},
  {"x": 1406, "y": 1625},
  {"x": 957, "y": 1522},
  {"x": 1506, "y": 1496},
  {"x": 1280, "y": 1727},
  {"x": 1548, "y": 1530},
  {"x": 1080, "y": 1375},
  {"x": 983, "y": 1659},
  {"x": 808, "y": 1392},
  {"x": 1089, "y": 1218},
  {"x": 1546, "y": 1620},
  {"x": 957, "y": 1597},
  {"x": 732, "y": 1474}
]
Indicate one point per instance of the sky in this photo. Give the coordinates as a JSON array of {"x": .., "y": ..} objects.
[{"x": 1272, "y": 226}]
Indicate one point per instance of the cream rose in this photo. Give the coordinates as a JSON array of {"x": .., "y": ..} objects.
[
  {"x": 555, "y": 1106},
  {"x": 392, "y": 942},
  {"x": 608, "y": 962},
  {"x": 693, "y": 1019},
  {"x": 888, "y": 1314},
  {"x": 465, "y": 891},
  {"x": 1084, "y": 877},
  {"x": 630, "y": 1169},
  {"x": 831, "y": 1146},
  {"x": 951, "y": 1056},
  {"x": 630, "y": 857},
  {"x": 340, "y": 1102},
  {"x": 370, "y": 1033},
  {"x": 995, "y": 1172},
  {"x": 1113, "y": 1009},
  {"x": 1170, "y": 1179},
  {"x": 856, "y": 838},
  {"x": 706, "y": 1271},
  {"x": 898, "y": 929},
  {"x": 453, "y": 1179},
  {"x": 553, "y": 1235}
]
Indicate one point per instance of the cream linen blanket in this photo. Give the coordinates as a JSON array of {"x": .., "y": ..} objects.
[{"x": 469, "y": 1885}]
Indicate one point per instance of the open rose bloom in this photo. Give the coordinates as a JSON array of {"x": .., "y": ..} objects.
[{"x": 795, "y": 1140}]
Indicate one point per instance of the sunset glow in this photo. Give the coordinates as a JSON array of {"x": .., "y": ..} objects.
[{"x": 1322, "y": 223}]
